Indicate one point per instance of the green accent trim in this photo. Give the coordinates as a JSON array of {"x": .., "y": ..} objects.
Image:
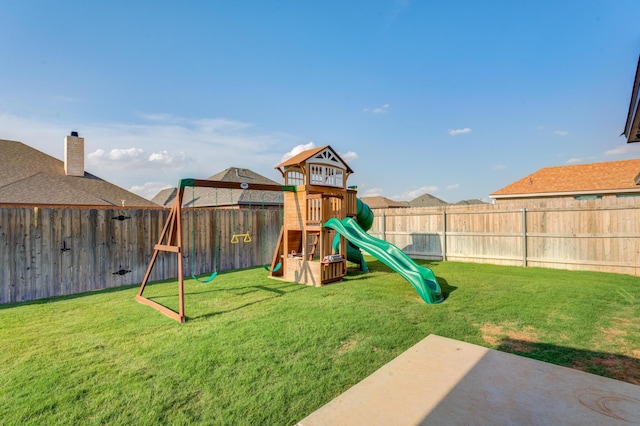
[
  {"x": 289, "y": 188},
  {"x": 187, "y": 182}
]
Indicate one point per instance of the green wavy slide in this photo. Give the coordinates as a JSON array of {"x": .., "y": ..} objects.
[{"x": 420, "y": 277}]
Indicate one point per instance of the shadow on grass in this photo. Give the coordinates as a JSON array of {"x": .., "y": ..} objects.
[
  {"x": 53, "y": 299},
  {"x": 446, "y": 288},
  {"x": 614, "y": 366},
  {"x": 277, "y": 294}
]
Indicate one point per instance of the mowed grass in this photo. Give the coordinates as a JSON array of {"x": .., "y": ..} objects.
[{"x": 262, "y": 351}]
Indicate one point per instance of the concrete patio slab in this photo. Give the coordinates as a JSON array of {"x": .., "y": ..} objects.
[{"x": 442, "y": 381}]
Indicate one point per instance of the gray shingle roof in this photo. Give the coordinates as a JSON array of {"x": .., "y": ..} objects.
[
  {"x": 214, "y": 197},
  {"x": 379, "y": 202},
  {"x": 427, "y": 200},
  {"x": 29, "y": 176}
]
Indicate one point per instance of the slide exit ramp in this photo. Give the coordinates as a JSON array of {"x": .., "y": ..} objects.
[{"x": 421, "y": 278}]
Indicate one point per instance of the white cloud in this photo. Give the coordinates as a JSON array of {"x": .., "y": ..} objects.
[
  {"x": 574, "y": 160},
  {"x": 297, "y": 150},
  {"x": 125, "y": 158},
  {"x": 348, "y": 156},
  {"x": 222, "y": 125},
  {"x": 149, "y": 190},
  {"x": 117, "y": 157},
  {"x": 157, "y": 146},
  {"x": 625, "y": 149},
  {"x": 164, "y": 158},
  {"x": 560, "y": 132},
  {"x": 161, "y": 117},
  {"x": 372, "y": 192},
  {"x": 379, "y": 110},
  {"x": 459, "y": 131},
  {"x": 499, "y": 167},
  {"x": 454, "y": 186}
]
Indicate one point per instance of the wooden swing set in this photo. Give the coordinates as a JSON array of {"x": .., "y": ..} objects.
[{"x": 171, "y": 238}]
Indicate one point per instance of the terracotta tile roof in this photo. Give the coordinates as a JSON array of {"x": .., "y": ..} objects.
[
  {"x": 594, "y": 178},
  {"x": 29, "y": 176}
]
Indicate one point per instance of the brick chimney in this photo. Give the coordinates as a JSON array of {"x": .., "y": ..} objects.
[{"x": 74, "y": 155}]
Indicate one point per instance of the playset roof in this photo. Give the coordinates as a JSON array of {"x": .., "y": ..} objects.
[{"x": 306, "y": 155}]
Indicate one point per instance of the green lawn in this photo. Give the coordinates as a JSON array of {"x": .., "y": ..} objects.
[{"x": 261, "y": 351}]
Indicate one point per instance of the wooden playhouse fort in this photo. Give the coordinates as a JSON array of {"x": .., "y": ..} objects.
[
  {"x": 324, "y": 226},
  {"x": 306, "y": 247}
]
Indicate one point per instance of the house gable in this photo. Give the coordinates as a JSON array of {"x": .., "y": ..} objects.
[{"x": 318, "y": 166}]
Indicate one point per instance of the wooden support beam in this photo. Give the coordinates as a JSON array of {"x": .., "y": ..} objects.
[
  {"x": 206, "y": 183},
  {"x": 170, "y": 240}
]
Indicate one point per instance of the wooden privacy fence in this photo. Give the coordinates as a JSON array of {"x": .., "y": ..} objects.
[
  {"x": 47, "y": 252},
  {"x": 603, "y": 238}
]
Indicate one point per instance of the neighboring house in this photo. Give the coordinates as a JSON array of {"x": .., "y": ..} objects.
[
  {"x": 227, "y": 198},
  {"x": 632, "y": 126},
  {"x": 383, "y": 203},
  {"x": 31, "y": 177},
  {"x": 427, "y": 200},
  {"x": 472, "y": 201},
  {"x": 614, "y": 179}
]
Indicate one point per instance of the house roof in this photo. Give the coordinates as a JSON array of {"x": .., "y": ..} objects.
[
  {"x": 382, "y": 202},
  {"x": 593, "y": 178},
  {"x": 29, "y": 176},
  {"x": 632, "y": 125},
  {"x": 427, "y": 200},
  {"x": 214, "y": 197},
  {"x": 472, "y": 201},
  {"x": 306, "y": 155}
]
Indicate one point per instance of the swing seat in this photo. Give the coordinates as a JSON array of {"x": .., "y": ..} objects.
[
  {"x": 276, "y": 269},
  {"x": 208, "y": 280}
]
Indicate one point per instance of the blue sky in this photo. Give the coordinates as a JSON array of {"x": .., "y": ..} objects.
[{"x": 453, "y": 98}]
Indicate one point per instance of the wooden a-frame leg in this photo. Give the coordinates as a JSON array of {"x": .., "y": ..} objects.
[{"x": 173, "y": 232}]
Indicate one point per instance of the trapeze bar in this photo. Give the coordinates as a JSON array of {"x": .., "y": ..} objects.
[{"x": 235, "y": 238}]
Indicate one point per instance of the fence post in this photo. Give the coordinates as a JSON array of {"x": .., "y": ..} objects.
[
  {"x": 383, "y": 227},
  {"x": 444, "y": 235},
  {"x": 524, "y": 237}
]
